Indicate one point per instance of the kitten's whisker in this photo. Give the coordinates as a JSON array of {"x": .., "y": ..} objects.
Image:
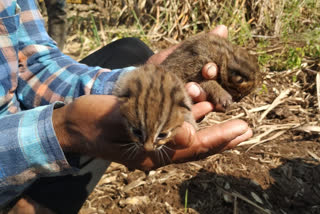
[
  {"x": 130, "y": 150},
  {"x": 162, "y": 158},
  {"x": 134, "y": 150},
  {"x": 124, "y": 154},
  {"x": 131, "y": 156},
  {"x": 166, "y": 153},
  {"x": 168, "y": 148},
  {"x": 157, "y": 155},
  {"x": 160, "y": 147},
  {"x": 128, "y": 144}
]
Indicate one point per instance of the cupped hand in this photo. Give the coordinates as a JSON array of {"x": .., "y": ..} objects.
[
  {"x": 92, "y": 125},
  {"x": 190, "y": 145}
]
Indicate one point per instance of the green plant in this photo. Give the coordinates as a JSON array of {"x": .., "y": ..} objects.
[
  {"x": 95, "y": 30},
  {"x": 186, "y": 201},
  {"x": 138, "y": 23},
  {"x": 263, "y": 89},
  {"x": 295, "y": 57},
  {"x": 294, "y": 78},
  {"x": 263, "y": 57}
]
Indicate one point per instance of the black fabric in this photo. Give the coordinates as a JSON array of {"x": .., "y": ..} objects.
[
  {"x": 66, "y": 194},
  {"x": 119, "y": 54}
]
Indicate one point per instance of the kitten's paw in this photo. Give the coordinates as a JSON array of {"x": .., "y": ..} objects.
[
  {"x": 216, "y": 94},
  {"x": 221, "y": 100}
]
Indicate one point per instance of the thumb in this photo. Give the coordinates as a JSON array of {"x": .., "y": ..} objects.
[
  {"x": 220, "y": 30},
  {"x": 184, "y": 136}
]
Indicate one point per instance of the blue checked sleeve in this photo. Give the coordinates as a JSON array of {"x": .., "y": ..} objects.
[
  {"x": 29, "y": 149},
  {"x": 47, "y": 75}
]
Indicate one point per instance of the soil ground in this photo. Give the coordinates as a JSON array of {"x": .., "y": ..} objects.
[{"x": 277, "y": 171}]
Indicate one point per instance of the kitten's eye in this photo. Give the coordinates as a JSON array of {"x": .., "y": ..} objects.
[
  {"x": 162, "y": 135},
  {"x": 137, "y": 132},
  {"x": 193, "y": 52},
  {"x": 126, "y": 94},
  {"x": 237, "y": 79},
  {"x": 183, "y": 104}
]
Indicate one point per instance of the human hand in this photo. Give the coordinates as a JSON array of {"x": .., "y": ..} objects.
[
  {"x": 92, "y": 125},
  {"x": 190, "y": 145}
]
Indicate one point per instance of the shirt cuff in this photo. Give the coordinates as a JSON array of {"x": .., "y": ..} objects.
[
  {"x": 40, "y": 144},
  {"x": 105, "y": 82},
  {"x": 29, "y": 149}
]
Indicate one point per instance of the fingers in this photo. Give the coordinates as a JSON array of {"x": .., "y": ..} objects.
[
  {"x": 241, "y": 138},
  {"x": 195, "y": 92},
  {"x": 200, "y": 109},
  {"x": 158, "y": 58},
  {"x": 224, "y": 135},
  {"x": 211, "y": 140},
  {"x": 220, "y": 30},
  {"x": 210, "y": 71},
  {"x": 185, "y": 136}
]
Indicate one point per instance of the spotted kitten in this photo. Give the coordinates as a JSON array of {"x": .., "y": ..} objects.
[
  {"x": 238, "y": 70},
  {"x": 154, "y": 104}
]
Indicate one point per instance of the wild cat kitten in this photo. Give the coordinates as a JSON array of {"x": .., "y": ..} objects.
[
  {"x": 153, "y": 99},
  {"x": 154, "y": 104},
  {"x": 238, "y": 70}
]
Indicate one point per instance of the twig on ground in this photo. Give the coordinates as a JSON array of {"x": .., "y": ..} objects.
[
  {"x": 238, "y": 195},
  {"x": 309, "y": 128},
  {"x": 275, "y": 103},
  {"x": 316, "y": 157}
]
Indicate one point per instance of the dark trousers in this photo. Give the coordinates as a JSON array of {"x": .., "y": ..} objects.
[
  {"x": 57, "y": 20},
  {"x": 66, "y": 194}
]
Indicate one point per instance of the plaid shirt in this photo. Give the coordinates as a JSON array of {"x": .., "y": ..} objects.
[{"x": 34, "y": 75}]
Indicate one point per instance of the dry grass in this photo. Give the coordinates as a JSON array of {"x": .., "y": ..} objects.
[
  {"x": 281, "y": 32},
  {"x": 177, "y": 19}
]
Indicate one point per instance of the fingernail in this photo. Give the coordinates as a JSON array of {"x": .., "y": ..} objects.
[
  {"x": 222, "y": 27},
  {"x": 212, "y": 71},
  {"x": 221, "y": 30},
  {"x": 193, "y": 90}
]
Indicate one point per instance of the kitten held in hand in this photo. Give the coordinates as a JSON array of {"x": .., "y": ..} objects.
[
  {"x": 238, "y": 70},
  {"x": 153, "y": 99},
  {"x": 154, "y": 104}
]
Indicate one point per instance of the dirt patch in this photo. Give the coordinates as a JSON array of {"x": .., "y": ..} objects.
[{"x": 264, "y": 180}]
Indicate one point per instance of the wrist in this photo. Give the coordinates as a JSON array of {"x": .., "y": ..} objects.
[{"x": 59, "y": 121}]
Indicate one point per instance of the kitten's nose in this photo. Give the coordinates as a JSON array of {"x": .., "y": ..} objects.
[{"x": 148, "y": 146}]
